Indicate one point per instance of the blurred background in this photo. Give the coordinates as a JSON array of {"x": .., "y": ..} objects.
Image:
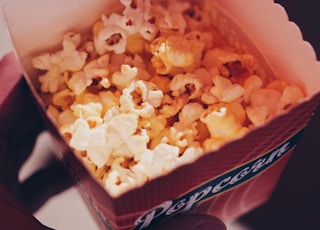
[{"x": 295, "y": 203}]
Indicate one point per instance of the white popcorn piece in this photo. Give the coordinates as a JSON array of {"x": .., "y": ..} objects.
[
  {"x": 43, "y": 62},
  {"x": 94, "y": 121},
  {"x": 175, "y": 51},
  {"x": 98, "y": 147},
  {"x": 160, "y": 161},
  {"x": 66, "y": 117},
  {"x": 217, "y": 57},
  {"x": 153, "y": 125},
  {"x": 87, "y": 110},
  {"x": 190, "y": 113},
  {"x": 114, "y": 184},
  {"x": 266, "y": 97},
  {"x": 71, "y": 41},
  {"x": 257, "y": 114},
  {"x": 79, "y": 82},
  {"x": 111, "y": 112},
  {"x": 186, "y": 83},
  {"x": 251, "y": 83},
  {"x": 50, "y": 81},
  {"x": 291, "y": 94},
  {"x": 124, "y": 125},
  {"x": 121, "y": 179},
  {"x": 133, "y": 147},
  {"x": 154, "y": 98},
  {"x": 111, "y": 38},
  {"x": 205, "y": 37},
  {"x": 173, "y": 106},
  {"x": 140, "y": 19},
  {"x": 220, "y": 84},
  {"x": 148, "y": 30},
  {"x": 181, "y": 136},
  {"x": 190, "y": 155},
  {"x": 171, "y": 23},
  {"x": 137, "y": 103},
  {"x": 207, "y": 97},
  {"x": 63, "y": 99},
  {"x": 137, "y": 144},
  {"x": 204, "y": 76},
  {"x": 232, "y": 93},
  {"x": 98, "y": 67},
  {"x": 125, "y": 77},
  {"x": 80, "y": 131},
  {"x": 109, "y": 100},
  {"x": 69, "y": 60},
  {"x": 221, "y": 123}
]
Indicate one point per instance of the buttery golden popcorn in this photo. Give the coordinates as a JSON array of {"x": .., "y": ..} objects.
[{"x": 154, "y": 87}]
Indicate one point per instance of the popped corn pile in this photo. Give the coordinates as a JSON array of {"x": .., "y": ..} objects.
[{"x": 152, "y": 88}]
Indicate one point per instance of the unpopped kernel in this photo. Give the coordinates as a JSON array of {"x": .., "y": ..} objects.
[{"x": 154, "y": 87}]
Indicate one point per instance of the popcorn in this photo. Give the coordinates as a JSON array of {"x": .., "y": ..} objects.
[
  {"x": 251, "y": 83},
  {"x": 80, "y": 134},
  {"x": 291, "y": 94},
  {"x": 124, "y": 78},
  {"x": 66, "y": 117},
  {"x": 134, "y": 100},
  {"x": 186, "y": 83},
  {"x": 111, "y": 38},
  {"x": 71, "y": 60},
  {"x": 124, "y": 125},
  {"x": 160, "y": 160},
  {"x": 182, "y": 136},
  {"x": 232, "y": 93},
  {"x": 174, "y": 51},
  {"x": 153, "y": 88},
  {"x": 221, "y": 122},
  {"x": 97, "y": 68},
  {"x": 196, "y": 18},
  {"x": 266, "y": 97},
  {"x": 63, "y": 99},
  {"x": 137, "y": 144},
  {"x": 50, "y": 81},
  {"x": 190, "y": 113},
  {"x": 109, "y": 100},
  {"x": 87, "y": 110},
  {"x": 153, "y": 125},
  {"x": 71, "y": 41},
  {"x": 172, "y": 23},
  {"x": 98, "y": 149},
  {"x": 257, "y": 115},
  {"x": 79, "y": 82}
]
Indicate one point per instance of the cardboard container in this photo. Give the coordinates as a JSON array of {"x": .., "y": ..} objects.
[{"x": 226, "y": 183}]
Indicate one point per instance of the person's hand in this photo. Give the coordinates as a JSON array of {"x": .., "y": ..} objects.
[
  {"x": 190, "y": 222},
  {"x": 20, "y": 125}
]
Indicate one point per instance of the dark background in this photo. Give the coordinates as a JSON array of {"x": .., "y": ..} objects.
[{"x": 295, "y": 203}]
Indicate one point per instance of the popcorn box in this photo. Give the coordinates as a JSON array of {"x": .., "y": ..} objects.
[{"x": 225, "y": 183}]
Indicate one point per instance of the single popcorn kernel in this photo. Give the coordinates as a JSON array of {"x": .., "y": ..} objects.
[
  {"x": 154, "y": 87},
  {"x": 221, "y": 122}
]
